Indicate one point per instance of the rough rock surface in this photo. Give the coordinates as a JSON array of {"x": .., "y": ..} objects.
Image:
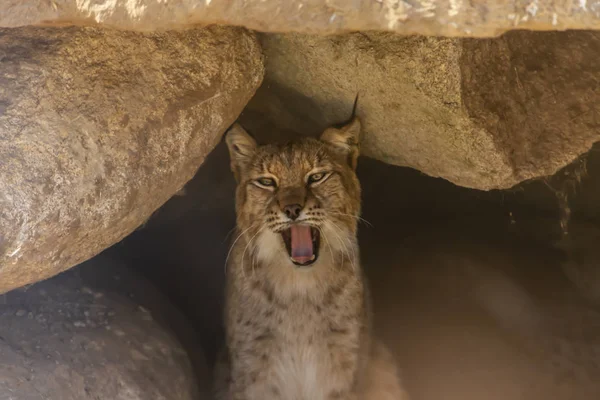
[
  {"x": 482, "y": 113},
  {"x": 89, "y": 334},
  {"x": 455, "y": 17},
  {"x": 98, "y": 128}
]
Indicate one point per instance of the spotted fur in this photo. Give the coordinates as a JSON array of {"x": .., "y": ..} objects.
[{"x": 299, "y": 333}]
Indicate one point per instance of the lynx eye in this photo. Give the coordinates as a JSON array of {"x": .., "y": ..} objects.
[
  {"x": 314, "y": 178},
  {"x": 266, "y": 182}
]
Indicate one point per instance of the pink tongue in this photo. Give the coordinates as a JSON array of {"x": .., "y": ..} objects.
[{"x": 302, "y": 246}]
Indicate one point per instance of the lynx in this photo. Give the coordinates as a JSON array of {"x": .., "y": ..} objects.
[{"x": 297, "y": 313}]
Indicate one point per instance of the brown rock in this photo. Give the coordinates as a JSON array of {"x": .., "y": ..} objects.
[
  {"x": 536, "y": 94},
  {"x": 98, "y": 128},
  {"x": 483, "y": 114},
  {"x": 452, "y": 18}
]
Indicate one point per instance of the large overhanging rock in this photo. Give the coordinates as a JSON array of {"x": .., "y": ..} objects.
[
  {"x": 482, "y": 113},
  {"x": 99, "y": 128},
  {"x": 453, "y": 18}
]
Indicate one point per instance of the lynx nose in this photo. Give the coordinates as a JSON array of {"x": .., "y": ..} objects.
[{"x": 292, "y": 211}]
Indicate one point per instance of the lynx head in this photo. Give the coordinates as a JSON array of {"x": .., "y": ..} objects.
[{"x": 297, "y": 203}]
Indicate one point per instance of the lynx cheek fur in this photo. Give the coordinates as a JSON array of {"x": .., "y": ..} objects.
[{"x": 297, "y": 315}]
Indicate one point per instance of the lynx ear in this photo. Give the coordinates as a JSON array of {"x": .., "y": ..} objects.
[
  {"x": 345, "y": 139},
  {"x": 241, "y": 148}
]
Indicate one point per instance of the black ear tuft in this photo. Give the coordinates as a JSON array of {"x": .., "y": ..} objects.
[{"x": 345, "y": 139}]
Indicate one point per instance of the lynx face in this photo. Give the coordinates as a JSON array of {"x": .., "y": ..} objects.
[{"x": 298, "y": 203}]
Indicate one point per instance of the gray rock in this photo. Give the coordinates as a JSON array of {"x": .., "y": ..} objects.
[
  {"x": 98, "y": 128},
  {"x": 79, "y": 345}
]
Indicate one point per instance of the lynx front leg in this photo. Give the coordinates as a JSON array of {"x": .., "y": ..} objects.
[
  {"x": 254, "y": 389},
  {"x": 251, "y": 377},
  {"x": 337, "y": 395}
]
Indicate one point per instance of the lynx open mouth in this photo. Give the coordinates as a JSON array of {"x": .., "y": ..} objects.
[{"x": 302, "y": 243}]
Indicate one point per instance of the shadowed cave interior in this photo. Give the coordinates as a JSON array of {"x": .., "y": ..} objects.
[{"x": 419, "y": 234}]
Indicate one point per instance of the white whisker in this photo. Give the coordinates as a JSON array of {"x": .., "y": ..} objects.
[
  {"x": 353, "y": 258},
  {"x": 229, "y": 233},
  {"x": 356, "y": 217},
  {"x": 327, "y": 240},
  {"x": 340, "y": 240},
  {"x": 246, "y": 248},
  {"x": 233, "y": 244}
]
